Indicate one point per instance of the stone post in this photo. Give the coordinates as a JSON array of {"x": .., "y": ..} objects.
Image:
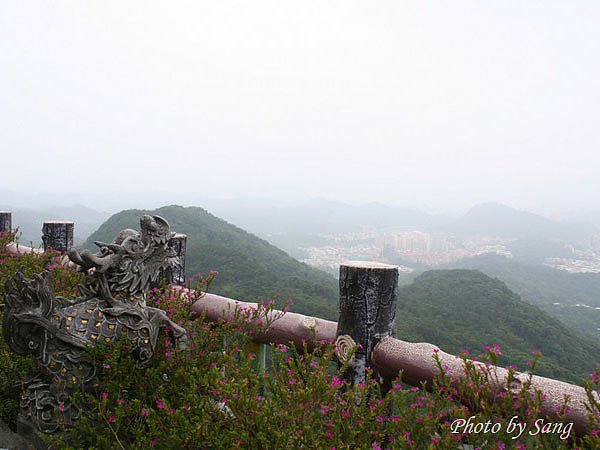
[
  {"x": 58, "y": 235},
  {"x": 179, "y": 243},
  {"x": 174, "y": 275},
  {"x": 368, "y": 297},
  {"x": 5, "y": 221}
]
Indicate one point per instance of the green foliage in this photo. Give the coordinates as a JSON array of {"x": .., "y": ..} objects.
[
  {"x": 466, "y": 309},
  {"x": 249, "y": 268},
  {"x": 213, "y": 394},
  {"x": 64, "y": 278},
  {"x": 544, "y": 286}
]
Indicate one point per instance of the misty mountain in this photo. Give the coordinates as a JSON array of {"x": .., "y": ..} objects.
[
  {"x": 466, "y": 309},
  {"x": 495, "y": 219},
  {"x": 319, "y": 216},
  {"x": 30, "y": 221}
]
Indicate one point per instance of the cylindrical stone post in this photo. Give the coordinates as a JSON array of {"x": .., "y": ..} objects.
[
  {"x": 175, "y": 275},
  {"x": 178, "y": 242},
  {"x": 368, "y": 297},
  {"x": 58, "y": 235},
  {"x": 5, "y": 221}
]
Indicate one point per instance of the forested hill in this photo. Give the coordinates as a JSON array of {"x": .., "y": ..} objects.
[
  {"x": 466, "y": 309},
  {"x": 570, "y": 297},
  {"x": 249, "y": 268}
]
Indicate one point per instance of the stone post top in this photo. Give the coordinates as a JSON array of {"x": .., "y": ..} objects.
[
  {"x": 368, "y": 265},
  {"x": 59, "y": 221},
  {"x": 179, "y": 236}
]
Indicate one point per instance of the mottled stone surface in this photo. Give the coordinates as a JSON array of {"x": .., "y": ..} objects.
[
  {"x": 5, "y": 221},
  {"x": 174, "y": 275},
  {"x": 368, "y": 298},
  {"x": 58, "y": 235},
  {"x": 12, "y": 441},
  {"x": 285, "y": 328}
]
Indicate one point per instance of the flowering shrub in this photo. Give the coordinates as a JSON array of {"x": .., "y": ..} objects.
[
  {"x": 64, "y": 277},
  {"x": 219, "y": 393}
]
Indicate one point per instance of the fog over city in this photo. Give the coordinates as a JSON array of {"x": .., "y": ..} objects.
[{"x": 439, "y": 105}]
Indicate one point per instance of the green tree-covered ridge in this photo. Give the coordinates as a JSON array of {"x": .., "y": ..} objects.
[
  {"x": 466, "y": 309},
  {"x": 249, "y": 267},
  {"x": 456, "y": 309}
]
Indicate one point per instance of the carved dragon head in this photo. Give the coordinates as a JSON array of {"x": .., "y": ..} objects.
[{"x": 133, "y": 259}]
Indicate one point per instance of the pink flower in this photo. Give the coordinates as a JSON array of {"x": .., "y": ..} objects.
[
  {"x": 329, "y": 434},
  {"x": 336, "y": 382},
  {"x": 186, "y": 407},
  {"x": 112, "y": 418},
  {"x": 375, "y": 446},
  {"x": 293, "y": 381},
  {"x": 61, "y": 407},
  {"x": 145, "y": 412},
  {"x": 104, "y": 395},
  {"x": 161, "y": 404},
  {"x": 536, "y": 352}
]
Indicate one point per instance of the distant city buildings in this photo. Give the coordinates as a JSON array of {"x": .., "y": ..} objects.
[
  {"x": 430, "y": 249},
  {"x": 409, "y": 245}
]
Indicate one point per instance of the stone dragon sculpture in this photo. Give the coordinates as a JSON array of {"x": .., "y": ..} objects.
[{"x": 58, "y": 332}]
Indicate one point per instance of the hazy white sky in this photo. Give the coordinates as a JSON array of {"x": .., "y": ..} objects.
[{"x": 426, "y": 102}]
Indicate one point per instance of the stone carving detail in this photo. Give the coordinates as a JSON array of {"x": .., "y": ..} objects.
[
  {"x": 56, "y": 331},
  {"x": 174, "y": 275},
  {"x": 344, "y": 349},
  {"x": 57, "y": 235},
  {"x": 5, "y": 222}
]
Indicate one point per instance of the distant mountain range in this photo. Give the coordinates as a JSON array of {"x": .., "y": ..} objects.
[
  {"x": 319, "y": 216},
  {"x": 495, "y": 219}
]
